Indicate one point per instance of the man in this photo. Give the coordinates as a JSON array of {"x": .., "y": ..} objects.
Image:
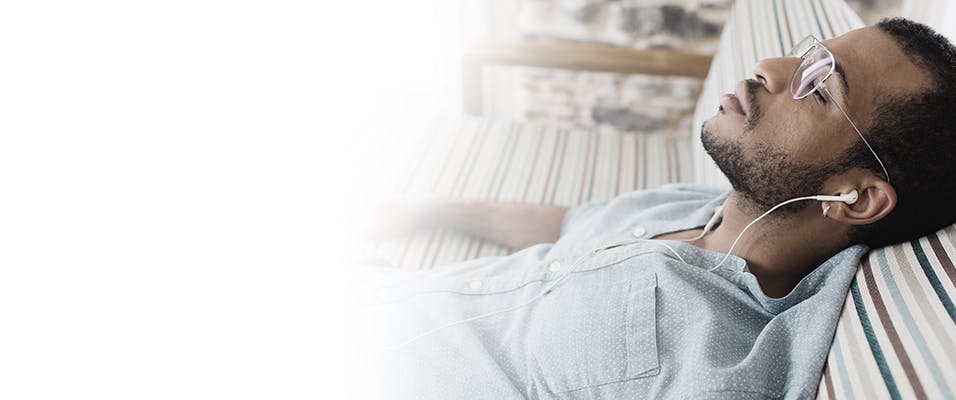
[{"x": 626, "y": 302}]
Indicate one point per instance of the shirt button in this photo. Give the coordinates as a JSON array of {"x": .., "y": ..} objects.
[
  {"x": 475, "y": 285},
  {"x": 639, "y": 231},
  {"x": 554, "y": 267}
]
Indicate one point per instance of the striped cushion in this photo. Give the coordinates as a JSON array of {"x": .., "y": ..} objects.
[
  {"x": 896, "y": 336},
  {"x": 522, "y": 162}
]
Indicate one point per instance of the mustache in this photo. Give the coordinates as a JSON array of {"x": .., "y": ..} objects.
[{"x": 753, "y": 108}]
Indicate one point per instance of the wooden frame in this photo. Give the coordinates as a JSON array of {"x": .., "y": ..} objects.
[{"x": 581, "y": 57}]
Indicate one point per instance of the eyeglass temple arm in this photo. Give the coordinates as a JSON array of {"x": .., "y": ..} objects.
[{"x": 887, "y": 174}]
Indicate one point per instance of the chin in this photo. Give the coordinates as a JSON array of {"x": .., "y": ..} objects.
[
  {"x": 712, "y": 126},
  {"x": 723, "y": 125}
]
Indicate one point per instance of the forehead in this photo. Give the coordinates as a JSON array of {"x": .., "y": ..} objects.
[{"x": 875, "y": 66}]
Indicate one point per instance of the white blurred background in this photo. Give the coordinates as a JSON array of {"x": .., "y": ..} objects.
[{"x": 173, "y": 188}]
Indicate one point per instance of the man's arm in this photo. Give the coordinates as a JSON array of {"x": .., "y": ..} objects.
[{"x": 515, "y": 225}]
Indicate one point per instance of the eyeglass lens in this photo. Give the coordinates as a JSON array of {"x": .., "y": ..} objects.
[{"x": 815, "y": 66}]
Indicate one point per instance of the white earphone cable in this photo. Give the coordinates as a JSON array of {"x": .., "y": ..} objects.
[
  {"x": 718, "y": 213},
  {"x": 729, "y": 252}
]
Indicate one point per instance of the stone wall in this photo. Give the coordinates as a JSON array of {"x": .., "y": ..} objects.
[{"x": 635, "y": 103}]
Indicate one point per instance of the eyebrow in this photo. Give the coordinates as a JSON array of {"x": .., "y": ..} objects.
[{"x": 846, "y": 86}]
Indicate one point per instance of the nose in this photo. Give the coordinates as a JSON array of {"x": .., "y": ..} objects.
[{"x": 775, "y": 73}]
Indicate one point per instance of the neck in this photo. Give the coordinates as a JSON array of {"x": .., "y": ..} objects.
[{"x": 779, "y": 251}]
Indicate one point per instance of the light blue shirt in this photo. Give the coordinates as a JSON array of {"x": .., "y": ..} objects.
[{"x": 630, "y": 322}]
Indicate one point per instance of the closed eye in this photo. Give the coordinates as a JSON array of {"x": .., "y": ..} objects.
[{"x": 819, "y": 95}]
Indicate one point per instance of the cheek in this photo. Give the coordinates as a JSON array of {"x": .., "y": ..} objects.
[
  {"x": 774, "y": 126},
  {"x": 791, "y": 133},
  {"x": 813, "y": 141}
]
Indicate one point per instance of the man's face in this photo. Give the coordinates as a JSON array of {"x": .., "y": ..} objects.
[{"x": 779, "y": 148}]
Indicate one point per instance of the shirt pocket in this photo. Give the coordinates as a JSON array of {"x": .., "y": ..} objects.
[{"x": 596, "y": 328}]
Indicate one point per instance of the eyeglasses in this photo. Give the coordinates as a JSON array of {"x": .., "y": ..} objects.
[{"x": 816, "y": 66}]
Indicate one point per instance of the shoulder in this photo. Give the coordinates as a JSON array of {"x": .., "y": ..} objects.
[
  {"x": 670, "y": 194},
  {"x": 666, "y": 202}
]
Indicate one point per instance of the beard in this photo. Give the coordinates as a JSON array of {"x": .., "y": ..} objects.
[{"x": 765, "y": 176}]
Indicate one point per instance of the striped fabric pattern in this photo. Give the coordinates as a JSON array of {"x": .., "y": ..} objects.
[
  {"x": 896, "y": 338},
  {"x": 897, "y": 335},
  {"x": 520, "y": 162}
]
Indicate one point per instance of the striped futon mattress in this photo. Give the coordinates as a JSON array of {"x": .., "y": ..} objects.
[{"x": 897, "y": 334}]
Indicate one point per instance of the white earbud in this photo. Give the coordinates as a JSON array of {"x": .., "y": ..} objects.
[{"x": 848, "y": 198}]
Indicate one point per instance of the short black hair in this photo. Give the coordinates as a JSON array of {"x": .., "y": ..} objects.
[{"x": 915, "y": 136}]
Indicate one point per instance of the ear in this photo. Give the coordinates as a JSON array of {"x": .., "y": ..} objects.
[{"x": 876, "y": 199}]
